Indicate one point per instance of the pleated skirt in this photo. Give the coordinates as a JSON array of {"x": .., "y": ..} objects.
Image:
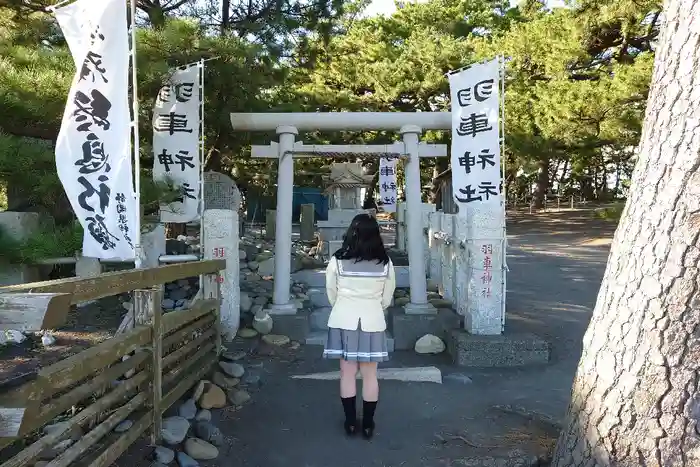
[{"x": 357, "y": 345}]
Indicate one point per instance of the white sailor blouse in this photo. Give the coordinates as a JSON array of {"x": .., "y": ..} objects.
[{"x": 359, "y": 292}]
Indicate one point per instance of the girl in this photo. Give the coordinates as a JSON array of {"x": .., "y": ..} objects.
[{"x": 360, "y": 284}]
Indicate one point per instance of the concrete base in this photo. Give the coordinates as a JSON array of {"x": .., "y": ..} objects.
[
  {"x": 421, "y": 374},
  {"x": 408, "y": 328},
  {"x": 508, "y": 350},
  {"x": 295, "y": 326},
  {"x": 285, "y": 309},
  {"x": 420, "y": 309}
]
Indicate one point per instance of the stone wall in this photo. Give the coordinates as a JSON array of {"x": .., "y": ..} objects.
[{"x": 469, "y": 270}]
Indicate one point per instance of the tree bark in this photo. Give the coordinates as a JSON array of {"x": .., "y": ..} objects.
[
  {"x": 542, "y": 182},
  {"x": 635, "y": 399}
]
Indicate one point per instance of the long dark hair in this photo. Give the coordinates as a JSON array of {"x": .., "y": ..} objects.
[{"x": 363, "y": 242}]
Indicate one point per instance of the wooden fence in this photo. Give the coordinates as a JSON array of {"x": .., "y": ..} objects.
[{"x": 153, "y": 364}]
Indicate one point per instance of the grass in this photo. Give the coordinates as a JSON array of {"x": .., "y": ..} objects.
[{"x": 611, "y": 213}]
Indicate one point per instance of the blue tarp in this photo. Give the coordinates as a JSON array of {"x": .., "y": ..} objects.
[{"x": 310, "y": 195}]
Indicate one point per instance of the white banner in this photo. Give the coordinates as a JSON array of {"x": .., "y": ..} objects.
[
  {"x": 93, "y": 152},
  {"x": 476, "y": 151},
  {"x": 176, "y": 143},
  {"x": 387, "y": 183}
]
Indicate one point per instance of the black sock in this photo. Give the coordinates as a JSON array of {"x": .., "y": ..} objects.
[
  {"x": 349, "y": 409},
  {"x": 368, "y": 409}
]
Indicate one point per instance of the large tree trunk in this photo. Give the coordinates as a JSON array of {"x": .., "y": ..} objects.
[
  {"x": 542, "y": 182},
  {"x": 635, "y": 399}
]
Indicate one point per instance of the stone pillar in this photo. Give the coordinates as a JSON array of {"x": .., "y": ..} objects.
[
  {"x": 220, "y": 241},
  {"x": 153, "y": 245},
  {"x": 414, "y": 223},
  {"x": 283, "y": 224},
  {"x": 307, "y": 222},
  {"x": 401, "y": 226},
  {"x": 270, "y": 218}
]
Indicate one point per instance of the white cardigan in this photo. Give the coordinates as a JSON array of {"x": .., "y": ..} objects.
[{"x": 359, "y": 292}]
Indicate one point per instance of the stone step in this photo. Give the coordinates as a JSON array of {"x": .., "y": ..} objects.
[
  {"x": 318, "y": 319},
  {"x": 319, "y": 338},
  {"x": 318, "y": 297}
]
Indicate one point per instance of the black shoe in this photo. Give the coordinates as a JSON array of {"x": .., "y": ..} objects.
[
  {"x": 350, "y": 424},
  {"x": 368, "y": 409}
]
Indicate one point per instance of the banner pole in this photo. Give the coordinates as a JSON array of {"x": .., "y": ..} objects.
[
  {"x": 135, "y": 132},
  {"x": 201, "y": 156},
  {"x": 505, "y": 192}
]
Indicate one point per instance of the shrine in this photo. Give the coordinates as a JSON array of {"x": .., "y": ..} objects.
[{"x": 346, "y": 185}]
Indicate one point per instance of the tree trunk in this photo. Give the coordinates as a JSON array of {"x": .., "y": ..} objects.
[
  {"x": 225, "y": 16},
  {"x": 635, "y": 399},
  {"x": 542, "y": 182}
]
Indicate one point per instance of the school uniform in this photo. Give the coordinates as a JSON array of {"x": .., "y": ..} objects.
[{"x": 359, "y": 292}]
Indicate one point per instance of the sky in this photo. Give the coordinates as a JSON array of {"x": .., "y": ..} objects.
[{"x": 387, "y": 7}]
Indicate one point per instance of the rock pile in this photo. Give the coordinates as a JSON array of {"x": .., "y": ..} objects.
[{"x": 189, "y": 433}]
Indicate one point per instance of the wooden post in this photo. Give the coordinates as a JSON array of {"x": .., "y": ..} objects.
[
  {"x": 210, "y": 286},
  {"x": 148, "y": 310}
]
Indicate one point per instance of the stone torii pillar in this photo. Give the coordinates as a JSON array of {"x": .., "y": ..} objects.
[{"x": 287, "y": 125}]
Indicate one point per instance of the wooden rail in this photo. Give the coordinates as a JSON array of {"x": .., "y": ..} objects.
[{"x": 156, "y": 362}]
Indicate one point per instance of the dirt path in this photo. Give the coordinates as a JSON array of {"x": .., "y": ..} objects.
[{"x": 477, "y": 418}]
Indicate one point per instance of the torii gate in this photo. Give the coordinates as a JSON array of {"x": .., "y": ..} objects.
[{"x": 287, "y": 125}]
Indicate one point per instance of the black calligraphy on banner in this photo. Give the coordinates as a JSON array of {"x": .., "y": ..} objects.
[
  {"x": 172, "y": 123},
  {"x": 183, "y": 92},
  {"x": 91, "y": 110},
  {"x": 480, "y": 92},
  {"x": 389, "y": 186},
  {"x": 386, "y": 170},
  {"x": 484, "y": 158},
  {"x": 473, "y": 125},
  {"x": 186, "y": 191},
  {"x": 181, "y": 159},
  {"x": 122, "y": 220},
  {"x": 91, "y": 113},
  {"x": 483, "y": 192}
]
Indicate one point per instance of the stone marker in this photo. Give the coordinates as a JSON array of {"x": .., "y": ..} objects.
[
  {"x": 270, "y": 219},
  {"x": 220, "y": 192},
  {"x": 307, "y": 229}
]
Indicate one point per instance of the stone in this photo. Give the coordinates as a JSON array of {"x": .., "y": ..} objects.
[
  {"x": 440, "y": 303},
  {"x": 183, "y": 460},
  {"x": 209, "y": 433},
  {"x": 429, "y": 344},
  {"x": 156, "y": 464},
  {"x": 263, "y": 325},
  {"x": 188, "y": 409},
  {"x": 402, "y": 301},
  {"x": 253, "y": 265},
  {"x": 258, "y": 310},
  {"x": 203, "y": 415},
  {"x": 507, "y": 350},
  {"x": 51, "y": 452},
  {"x": 260, "y": 300},
  {"x": 224, "y": 381},
  {"x": 174, "y": 430},
  {"x": 247, "y": 333},
  {"x": 276, "y": 339},
  {"x": 266, "y": 266},
  {"x": 163, "y": 455},
  {"x": 234, "y": 356},
  {"x": 72, "y": 432},
  {"x": 201, "y": 450},
  {"x": 232, "y": 369},
  {"x": 238, "y": 396},
  {"x": 251, "y": 380},
  {"x": 245, "y": 301},
  {"x": 199, "y": 390},
  {"x": 125, "y": 425},
  {"x": 213, "y": 398},
  {"x": 242, "y": 255}
]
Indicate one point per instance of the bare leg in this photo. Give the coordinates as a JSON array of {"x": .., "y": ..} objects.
[
  {"x": 370, "y": 384},
  {"x": 348, "y": 373}
]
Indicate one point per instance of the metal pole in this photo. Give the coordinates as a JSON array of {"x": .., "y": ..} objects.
[
  {"x": 503, "y": 164},
  {"x": 201, "y": 156},
  {"x": 135, "y": 131}
]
